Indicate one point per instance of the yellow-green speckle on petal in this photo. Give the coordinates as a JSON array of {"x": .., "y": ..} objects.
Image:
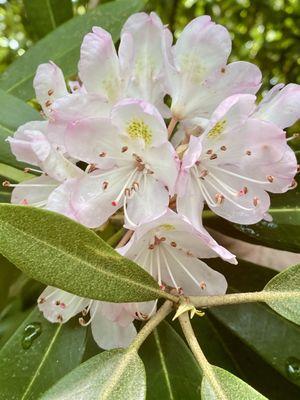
[
  {"x": 167, "y": 227},
  {"x": 217, "y": 129},
  {"x": 137, "y": 129}
]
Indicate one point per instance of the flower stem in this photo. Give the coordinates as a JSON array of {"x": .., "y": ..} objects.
[
  {"x": 115, "y": 238},
  {"x": 171, "y": 126},
  {"x": 207, "y": 369},
  {"x": 161, "y": 314},
  {"x": 235, "y": 298},
  {"x": 125, "y": 238}
]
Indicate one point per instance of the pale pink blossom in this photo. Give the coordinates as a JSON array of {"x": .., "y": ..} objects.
[
  {"x": 169, "y": 248},
  {"x": 234, "y": 163},
  {"x": 135, "y": 165}
]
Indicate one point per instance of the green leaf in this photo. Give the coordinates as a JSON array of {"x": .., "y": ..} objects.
[
  {"x": 37, "y": 355},
  {"x": 13, "y": 113},
  {"x": 282, "y": 233},
  {"x": 172, "y": 372},
  {"x": 288, "y": 281},
  {"x": 14, "y": 174},
  {"x": 8, "y": 275},
  {"x": 111, "y": 375},
  {"x": 44, "y": 17},
  {"x": 233, "y": 388},
  {"x": 59, "y": 252},
  {"x": 62, "y": 45},
  {"x": 275, "y": 339}
]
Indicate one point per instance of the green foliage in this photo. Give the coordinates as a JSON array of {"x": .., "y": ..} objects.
[
  {"x": 62, "y": 253},
  {"x": 42, "y": 20},
  {"x": 111, "y": 375},
  {"x": 37, "y": 355},
  {"x": 62, "y": 45},
  {"x": 288, "y": 281},
  {"x": 233, "y": 388},
  {"x": 172, "y": 372}
]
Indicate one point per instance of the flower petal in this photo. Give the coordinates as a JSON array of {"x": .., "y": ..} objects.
[
  {"x": 109, "y": 334},
  {"x": 281, "y": 106},
  {"x": 49, "y": 85},
  {"x": 60, "y": 306},
  {"x": 60, "y": 199},
  {"x": 141, "y": 58},
  {"x": 139, "y": 122},
  {"x": 99, "y": 67}
]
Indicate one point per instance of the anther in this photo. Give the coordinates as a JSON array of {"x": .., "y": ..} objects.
[
  {"x": 173, "y": 244},
  {"x": 298, "y": 168},
  {"x": 256, "y": 201},
  {"x": 151, "y": 247},
  {"x": 102, "y": 154},
  {"x": 223, "y": 70},
  {"x": 219, "y": 198},
  {"x": 223, "y": 148},
  {"x": 210, "y": 151},
  {"x": 243, "y": 191},
  {"x": 59, "y": 318},
  {"x": 127, "y": 192},
  {"x": 248, "y": 152},
  {"x": 104, "y": 185},
  {"x": 135, "y": 186},
  {"x": 50, "y": 92},
  {"x": 213, "y": 156},
  {"x": 203, "y": 173},
  {"x": 41, "y": 300},
  {"x": 48, "y": 103},
  {"x": 202, "y": 285},
  {"x": 57, "y": 302},
  {"x": 6, "y": 184},
  {"x": 270, "y": 178},
  {"x": 124, "y": 148},
  {"x": 197, "y": 163}
]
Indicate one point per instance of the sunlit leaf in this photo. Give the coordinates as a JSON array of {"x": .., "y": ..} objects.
[
  {"x": 59, "y": 252},
  {"x": 37, "y": 355},
  {"x": 111, "y": 375}
]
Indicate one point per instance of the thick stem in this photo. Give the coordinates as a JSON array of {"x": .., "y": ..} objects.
[
  {"x": 235, "y": 298},
  {"x": 207, "y": 369},
  {"x": 161, "y": 314},
  {"x": 125, "y": 238},
  {"x": 171, "y": 126}
]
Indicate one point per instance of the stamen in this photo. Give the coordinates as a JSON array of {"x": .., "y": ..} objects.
[
  {"x": 104, "y": 185},
  {"x": 256, "y": 201},
  {"x": 270, "y": 178},
  {"x": 50, "y": 92},
  {"x": 213, "y": 156},
  {"x": 238, "y": 175},
  {"x": 124, "y": 148},
  {"x": 102, "y": 154},
  {"x": 173, "y": 244},
  {"x": 86, "y": 323},
  {"x": 28, "y": 169},
  {"x": 219, "y": 198},
  {"x": 168, "y": 268},
  {"x": 131, "y": 175},
  {"x": 210, "y": 151},
  {"x": 223, "y": 148},
  {"x": 8, "y": 184},
  {"x": 248, "y": 152},
  {"x": 48, "y": 103}
]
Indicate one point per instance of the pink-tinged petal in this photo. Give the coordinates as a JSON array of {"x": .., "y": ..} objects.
[
  {"x": 109, "y": 334},
  {"x": 29, "y": 143},
  {"x": 34, "y": 192},
  {"x": 235, "y": 78},
  {"x": 165, "y": 168},
  {"x": 60, "y": 306},
  {"x": 281, "y": 106},
  {"x": 140, "y": 122},
  {"x": 150, "y": 201},
  {"x": 49, "y": 85},
  {"x": 141, "y": 58},
  {"x": 60, "y": 199},
  {"x": 99, "y": 67},
  {"x": 201, "y": 48},
  {"x": 59, "y": 167},
  {"x": 96, "y": 141},
  {"x": 191, "y": 274},
  {"x": 99, "y": 195},
  {"x": 73, "y": 108},
  {"x": 143, "y": 310},
  {"x": 187, "y": 128}
]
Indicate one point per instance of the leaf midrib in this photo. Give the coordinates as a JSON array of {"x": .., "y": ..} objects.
[{"x": 82, "y": 261}]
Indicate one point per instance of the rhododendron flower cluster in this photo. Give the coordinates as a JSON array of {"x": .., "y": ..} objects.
[{"x": 109, "y": 143}]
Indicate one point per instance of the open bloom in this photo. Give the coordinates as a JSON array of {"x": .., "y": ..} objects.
[
  {"x": 137, "y": 71},
  {"x": 198, "y": 77},
  {"x": 169, "y": 248},
  {"x": 111, "y": 323},
  {"x": 31, "y": 144},
  {"x": 135, "y": 165},
  {"x": 234, "y": 163}
]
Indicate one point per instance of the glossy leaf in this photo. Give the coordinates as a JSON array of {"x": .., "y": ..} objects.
[
  {"x": 172, "y": 372},
  {"x": 59, "y": 252},
  {"x": 271, "y": 336},
  {"x": 13, "y": 113},
  {"x": 233, "y": 388},
  {"x": 14, "y": 174},
  {"x": 288, "y": 281},
  {"x": 37, "y": 355},
  {"x": 111, "y": 375},
  {"x": 44, "y": 17},
  {"x": 282, "y": 233},
  {"x": 62, "y": 45}
]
